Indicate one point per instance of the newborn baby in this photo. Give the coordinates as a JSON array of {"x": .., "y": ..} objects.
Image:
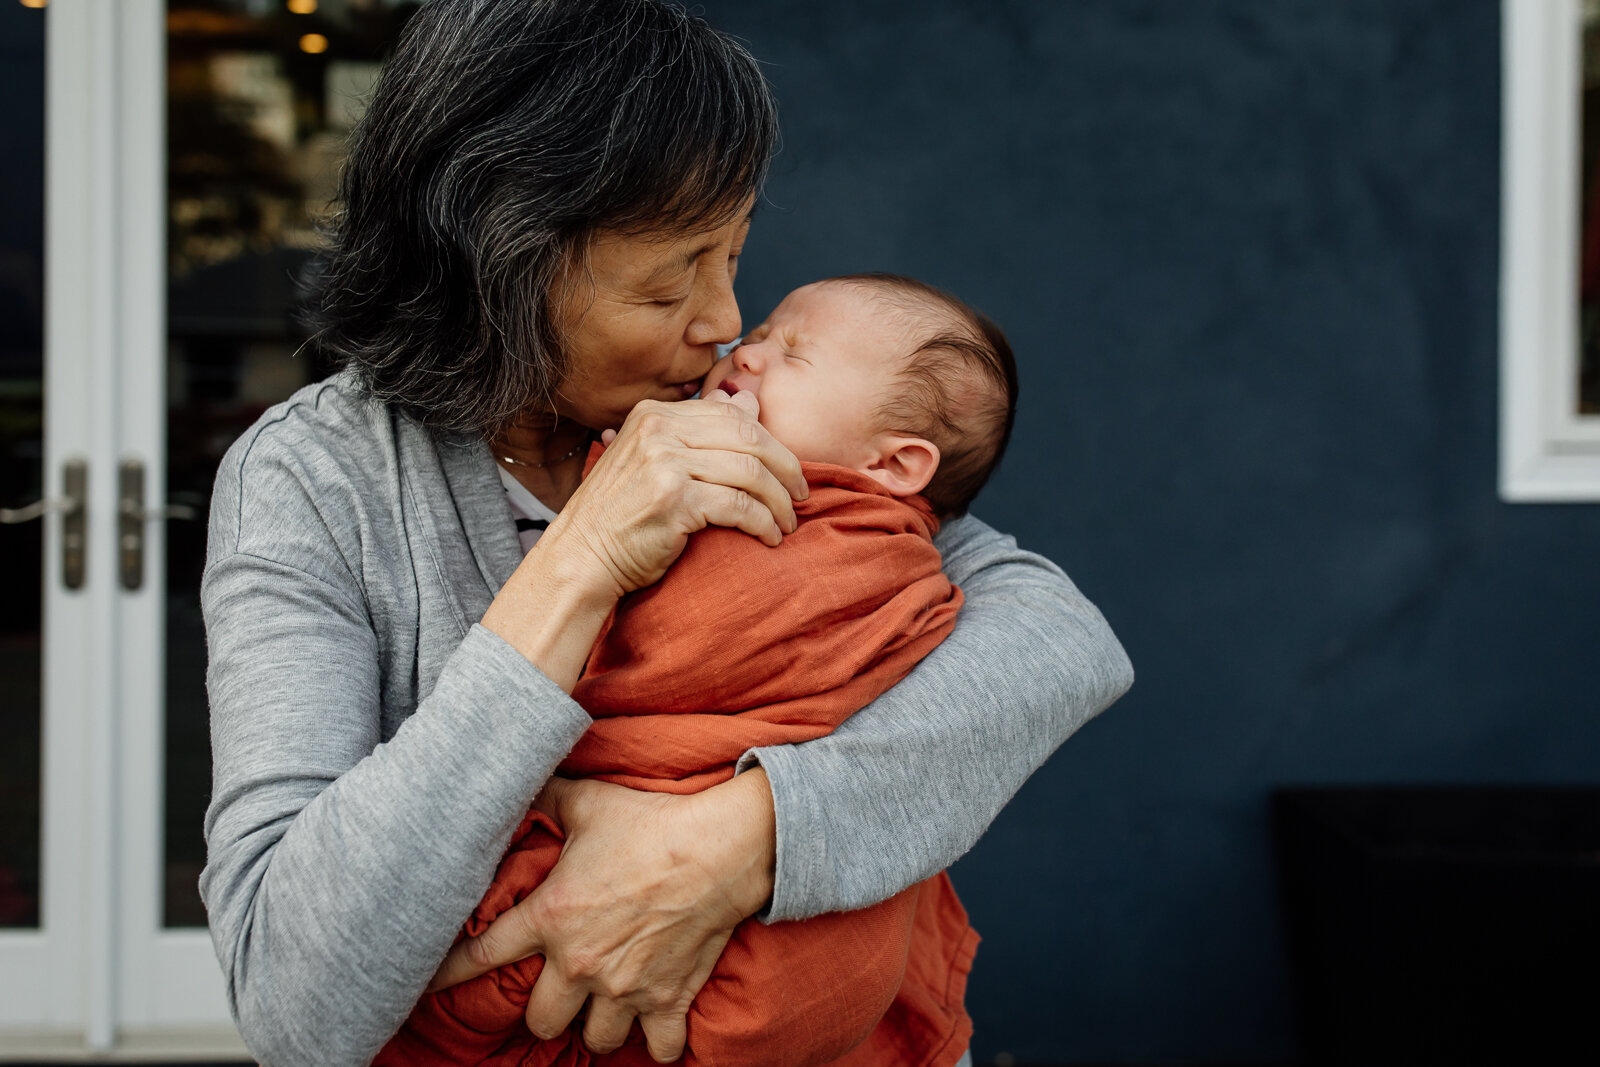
[
  {"x": 898, "y": 400},
  {"x": 886, "y": 376}
]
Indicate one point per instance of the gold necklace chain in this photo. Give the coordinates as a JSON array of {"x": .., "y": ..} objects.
[{"x": 580, "y": 447}]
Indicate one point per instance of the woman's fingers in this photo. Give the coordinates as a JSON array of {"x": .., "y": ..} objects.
[
  {"x": 665, "y": 1036},
  {"x": 747, "y": 476},
  {"x": 554, "y": 1003},
  {"x": 672, "y": 470},
  {"x": 644, "y": 897},
  {"x": 720, "y": 445},
  {"x": 747, "y": 401},
  {"x": 718, "y": 505},
  {"x": 607, "y": 1025},
  {"x": 721, "y": 422},
  {"x": 511, "y": 937}
]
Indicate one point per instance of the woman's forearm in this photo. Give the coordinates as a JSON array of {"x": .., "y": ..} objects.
[
  {"x": 339, "y": 869},
  {"x": 910, "y": 783},
  {"x": 550, "y": 614}
]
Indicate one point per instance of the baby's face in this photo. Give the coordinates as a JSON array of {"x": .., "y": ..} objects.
[{"x": 818, "y": 366}]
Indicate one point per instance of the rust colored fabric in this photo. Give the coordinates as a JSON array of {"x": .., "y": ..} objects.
[{"x": 742, "y": 646}]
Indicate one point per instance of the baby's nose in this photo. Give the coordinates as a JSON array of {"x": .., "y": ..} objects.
[{"x": 750, "y": 358}]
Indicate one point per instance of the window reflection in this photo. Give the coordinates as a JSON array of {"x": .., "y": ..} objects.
[
  {"x": 21, "y": 455},
  {"x": 1589, "y": 280},
  {"x": 261, "y": 96}
]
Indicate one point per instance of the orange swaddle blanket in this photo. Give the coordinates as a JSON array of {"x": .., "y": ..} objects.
[{"x": 743, "y": 646}]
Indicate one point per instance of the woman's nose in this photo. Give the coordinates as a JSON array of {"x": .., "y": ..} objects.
[{"x": 717, "y": 321}]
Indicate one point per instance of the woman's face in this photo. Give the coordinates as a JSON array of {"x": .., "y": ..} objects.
[{"x": 645, "y": 322}]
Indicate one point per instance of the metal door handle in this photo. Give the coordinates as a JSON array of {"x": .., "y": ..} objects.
[
  {"x": 37, "y": 510},
  {"x": 131, "y": 518},
  {"x": 74, "y": 491},
  {"x": 171, "y": 511}
]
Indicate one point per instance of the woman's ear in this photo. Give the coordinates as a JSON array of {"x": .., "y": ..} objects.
[{"x": 904, "y": 465}]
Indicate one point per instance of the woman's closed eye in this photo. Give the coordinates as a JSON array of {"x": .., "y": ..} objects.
[{"x": 668, "y": 295}]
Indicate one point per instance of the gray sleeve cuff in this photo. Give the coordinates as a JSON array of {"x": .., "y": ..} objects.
[
  {"x": 800, "y": 848},
  {"x": 907, "y": 785}
]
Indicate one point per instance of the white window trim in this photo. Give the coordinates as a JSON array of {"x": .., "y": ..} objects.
[{"x": 1547, "y": 451}]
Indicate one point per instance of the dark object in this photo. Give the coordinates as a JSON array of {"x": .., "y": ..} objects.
[{"x": 1442, "y": 925}]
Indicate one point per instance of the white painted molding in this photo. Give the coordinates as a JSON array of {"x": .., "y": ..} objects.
[
  {"x": 153, "y": 1045},
  {"x": 1547, "y": 451}
]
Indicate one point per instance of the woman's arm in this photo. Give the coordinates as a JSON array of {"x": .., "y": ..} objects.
[
  {"x": 897, "y": 793},
  {"x": 909, "y": 783},
  {"x": 339, "y": 869}
]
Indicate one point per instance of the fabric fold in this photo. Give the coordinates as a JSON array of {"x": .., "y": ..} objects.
[{"x": 743, "y": 646}]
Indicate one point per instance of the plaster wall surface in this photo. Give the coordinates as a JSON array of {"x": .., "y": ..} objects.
[{"x": 1247, "y": 253}]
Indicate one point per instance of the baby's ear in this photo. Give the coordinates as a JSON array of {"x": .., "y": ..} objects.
[{"x": 904, "y": 465}]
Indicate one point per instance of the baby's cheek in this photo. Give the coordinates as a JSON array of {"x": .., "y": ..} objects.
[{"x": 719, "y": 370}]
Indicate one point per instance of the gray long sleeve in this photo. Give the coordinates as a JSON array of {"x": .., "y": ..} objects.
[
  {"x": 345, "y": 850},
  {"x": 909, "y": 783},
  {"x": 373, "y": 748}
]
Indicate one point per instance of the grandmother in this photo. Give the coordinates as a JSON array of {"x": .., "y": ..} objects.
[{"x": 541, "y": 220}]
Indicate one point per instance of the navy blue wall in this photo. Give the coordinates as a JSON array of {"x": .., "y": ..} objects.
[{"x": 1247, "y": 254}]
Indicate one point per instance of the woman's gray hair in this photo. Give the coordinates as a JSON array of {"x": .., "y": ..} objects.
[{"x": 503, "y": 134}]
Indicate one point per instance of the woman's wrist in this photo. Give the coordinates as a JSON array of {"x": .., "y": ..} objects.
[
  {"x": 751, "y": 837},
  {"x": 551, "y": 612}
]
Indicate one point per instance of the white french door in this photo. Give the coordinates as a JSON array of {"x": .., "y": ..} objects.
[
  {"x": 99, "y": 971},
  {"x": 187, "y": 147}
]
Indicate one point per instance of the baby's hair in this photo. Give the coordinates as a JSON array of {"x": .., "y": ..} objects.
[{"x": 957, "y": 387}]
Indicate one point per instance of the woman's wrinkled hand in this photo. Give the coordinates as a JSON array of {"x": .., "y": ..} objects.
[
  {"x": 675, "y": 468},
  {"x": 634, "y": 916}
]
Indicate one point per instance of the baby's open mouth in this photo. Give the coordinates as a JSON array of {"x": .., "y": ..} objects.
[{"x": 728, "y": 387}]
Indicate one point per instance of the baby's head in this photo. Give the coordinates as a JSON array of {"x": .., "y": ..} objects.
[{"x": 885, "y": 375}]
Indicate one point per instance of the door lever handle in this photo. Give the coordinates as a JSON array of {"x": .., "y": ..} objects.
[
  {"x": 74, "y": 491},
  {"x": 132, "y": 516},
  {"x": 130, "y": 509},
  {"x": 37, "y": 510}
]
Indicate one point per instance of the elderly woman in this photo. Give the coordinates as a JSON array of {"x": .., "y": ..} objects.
[{"x": 542, "y": 216}]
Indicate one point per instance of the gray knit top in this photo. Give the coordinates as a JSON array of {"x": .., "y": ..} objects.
[{"x": 374, "y": 747}]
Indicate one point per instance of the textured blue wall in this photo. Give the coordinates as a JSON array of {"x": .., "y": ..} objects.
[{"x": 1247, "y": 253}]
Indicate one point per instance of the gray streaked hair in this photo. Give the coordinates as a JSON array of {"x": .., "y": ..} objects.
[{"x": 501, "y": 136}]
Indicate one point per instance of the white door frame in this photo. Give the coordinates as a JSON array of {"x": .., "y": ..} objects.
[
  {"x": 100, "y": 976},
  {"x": 1548, "y": 452}
]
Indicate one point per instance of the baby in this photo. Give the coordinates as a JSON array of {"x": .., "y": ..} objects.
[
  {"x": 898, "y": 399},
  {"x": 884, "y": 375}
]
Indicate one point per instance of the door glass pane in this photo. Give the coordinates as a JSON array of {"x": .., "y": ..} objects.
[
  {"x": 1589, "y": 223},
  {"x": 261, "y": 94},
  {"x": 21, "y": 453}
]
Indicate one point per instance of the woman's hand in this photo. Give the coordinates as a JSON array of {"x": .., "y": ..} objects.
[
  {"x": 635, "y": 914},
  {"x": 675, "y": 468}
]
